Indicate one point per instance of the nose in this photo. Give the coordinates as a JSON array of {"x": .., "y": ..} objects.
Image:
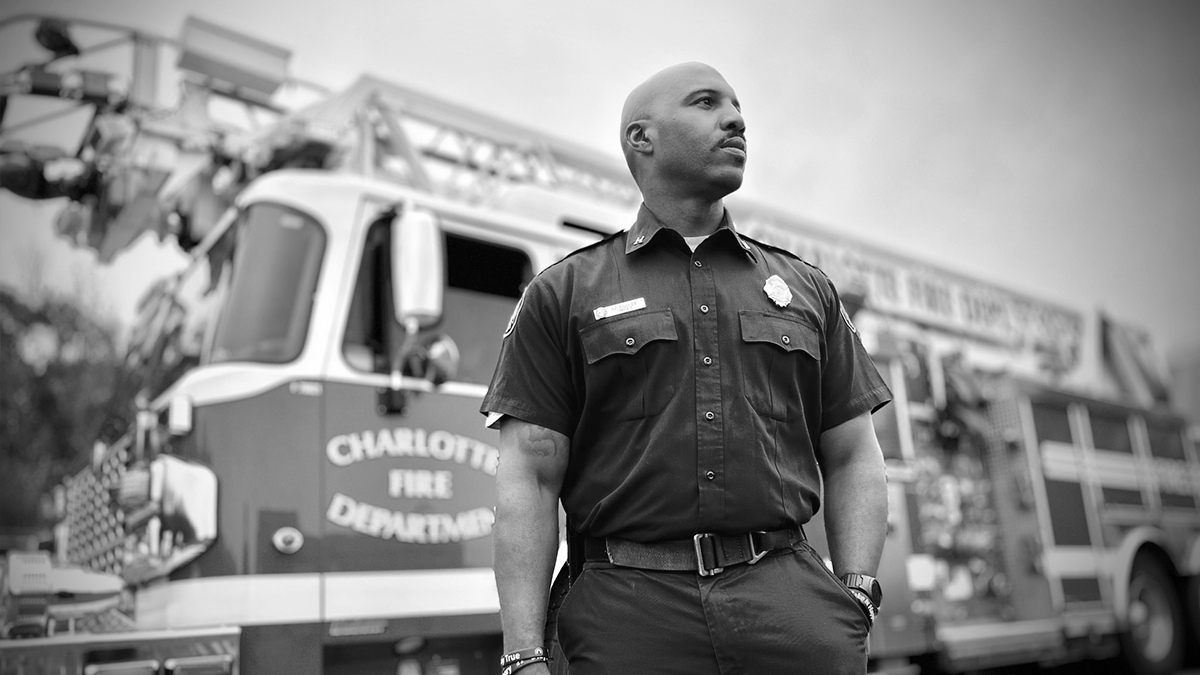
[{"x": 732, "y": 120}]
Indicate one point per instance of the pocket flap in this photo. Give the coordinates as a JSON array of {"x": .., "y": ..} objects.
[
  {"x": 626, "y": 334},
  {"x": 788, "y": 333}
]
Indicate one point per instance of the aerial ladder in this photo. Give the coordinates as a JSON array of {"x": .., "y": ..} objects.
[{"x": 142, "y": 166}]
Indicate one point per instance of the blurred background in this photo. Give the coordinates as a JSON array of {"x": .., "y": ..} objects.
[{"x": 1006, "y": 194}]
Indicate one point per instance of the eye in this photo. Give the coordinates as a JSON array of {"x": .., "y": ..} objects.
[{"x": 706, "y": 101}]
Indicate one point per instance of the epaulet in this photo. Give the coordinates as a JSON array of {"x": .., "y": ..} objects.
[
  {"x": 582, "y": 249},
  {"x": 784, "y": 251}
]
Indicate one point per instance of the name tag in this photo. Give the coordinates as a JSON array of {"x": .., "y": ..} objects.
[{"x": 619, "y": 308}]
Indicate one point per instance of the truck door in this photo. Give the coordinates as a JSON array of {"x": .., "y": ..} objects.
[{"x": 408, "y": 495}]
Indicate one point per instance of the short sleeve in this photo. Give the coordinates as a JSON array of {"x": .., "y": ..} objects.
[
  {"x": 532, "y": 381},
  {"x": 850, "y": 383}
]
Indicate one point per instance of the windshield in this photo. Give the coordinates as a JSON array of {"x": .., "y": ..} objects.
[{"x": 276, "y": 263}]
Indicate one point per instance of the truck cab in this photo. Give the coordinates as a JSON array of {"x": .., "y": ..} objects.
[{"x": 320, "y": 475}]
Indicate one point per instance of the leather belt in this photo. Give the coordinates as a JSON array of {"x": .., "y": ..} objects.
[{"x": 706, "y": 554}]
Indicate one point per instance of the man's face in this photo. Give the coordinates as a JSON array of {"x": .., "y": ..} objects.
[{"x": 698, "y": 132}]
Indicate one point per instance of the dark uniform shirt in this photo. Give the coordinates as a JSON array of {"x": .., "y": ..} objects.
[{"x": 694, "y": 386}]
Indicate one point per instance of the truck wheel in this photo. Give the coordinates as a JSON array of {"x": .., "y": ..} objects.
[
  {"x": 1191, "y": 599},
  {"x": 1154, "y": 640}
]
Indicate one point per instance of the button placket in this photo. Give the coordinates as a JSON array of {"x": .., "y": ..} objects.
[{"x": 709, "y": 434}]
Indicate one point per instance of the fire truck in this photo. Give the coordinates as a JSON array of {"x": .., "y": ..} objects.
[
  {"x": 1042, "y": 494},
  {"x": 308, "y": 485}
]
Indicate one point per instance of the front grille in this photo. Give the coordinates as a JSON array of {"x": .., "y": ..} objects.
[{"x": 95, "y": 524}]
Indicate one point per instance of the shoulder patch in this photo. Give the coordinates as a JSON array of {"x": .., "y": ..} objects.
[
  {"x": 846, "y": 318},
  {"x": 512, "y": 320}
]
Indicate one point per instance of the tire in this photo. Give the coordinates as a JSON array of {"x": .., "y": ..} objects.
[
  {"x": 1191, "y": 599},
  {"x": 1153, "y": 642}
]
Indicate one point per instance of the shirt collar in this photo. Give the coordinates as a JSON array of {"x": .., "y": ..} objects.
[{"x": 648, "y": 225}]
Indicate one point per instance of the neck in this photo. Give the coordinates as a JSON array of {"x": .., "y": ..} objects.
[{"x": 690, "y": 217}]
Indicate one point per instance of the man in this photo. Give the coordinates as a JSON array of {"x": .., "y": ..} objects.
[{"x": 677, "y": 386}]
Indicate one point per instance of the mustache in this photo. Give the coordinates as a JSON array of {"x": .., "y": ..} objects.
[{"x": 736, "y": 138}]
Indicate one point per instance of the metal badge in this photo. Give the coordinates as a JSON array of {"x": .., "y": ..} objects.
[{"x": 778, "y": 291}]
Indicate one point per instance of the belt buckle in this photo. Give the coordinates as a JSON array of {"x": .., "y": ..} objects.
[
  {"x": 755, "y": 554},
  {"x": 704, "y": 572}
]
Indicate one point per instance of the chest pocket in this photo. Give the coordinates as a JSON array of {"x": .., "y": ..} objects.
[
  {"x": 780, "y": 355},
  {"x": 631, "y": 364}
]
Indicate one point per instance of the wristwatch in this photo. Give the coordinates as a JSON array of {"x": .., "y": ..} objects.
[{"x": 866, "y": 588}]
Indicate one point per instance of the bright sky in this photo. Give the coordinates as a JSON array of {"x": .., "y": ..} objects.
[{"x": 1053, "y": 148}]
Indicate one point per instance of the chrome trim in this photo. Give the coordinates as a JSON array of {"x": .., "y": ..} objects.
[
  {"x": 287, "y": 540},
  {"x": 178, "y": 525}
]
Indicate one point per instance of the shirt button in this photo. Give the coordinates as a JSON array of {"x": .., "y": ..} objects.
[
  {"x": 710, "y": 475},
  {"x": 710, "y": 415},
  {"x": 698, "y": 264},
  {"x": 708, "y": 360},
  {"x": 629, "y": 341},
  {"x": 704, "y": 309},
  {"x": 787, "y": 340}
]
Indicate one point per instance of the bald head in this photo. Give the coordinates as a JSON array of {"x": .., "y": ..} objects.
[
  {"x": 641, "y": 102},
  {"x": 656, "y": 101}
]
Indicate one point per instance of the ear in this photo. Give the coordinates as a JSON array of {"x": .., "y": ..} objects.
[{"x": 639, "y": 137}]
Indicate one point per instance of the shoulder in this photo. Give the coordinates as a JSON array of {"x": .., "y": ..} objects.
[
  {"x": 585, "y": 256},
  {"x": 777, "y": 256},
  {"x": 561, "y": 280}
]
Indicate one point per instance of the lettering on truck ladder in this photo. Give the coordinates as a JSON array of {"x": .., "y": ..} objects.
[{"x": 413, "y": 528}]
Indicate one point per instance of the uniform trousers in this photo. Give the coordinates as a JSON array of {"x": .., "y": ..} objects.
[{"x": 785, "y": 614}]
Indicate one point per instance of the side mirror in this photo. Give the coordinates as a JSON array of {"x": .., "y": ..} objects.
[
  {"x": 417, "y": 277},
  {"x": 417, "y": 269}
]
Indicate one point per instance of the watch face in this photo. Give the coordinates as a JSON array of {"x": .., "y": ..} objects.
[{"x": 867, "y": 584}]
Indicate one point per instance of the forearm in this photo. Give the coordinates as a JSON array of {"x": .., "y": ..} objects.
[
  {"x": 526, "y": 542},
  {"x": 856, "y": 499},
  {"x": 526, "y": 533},
  {"x": 856, "y": 511}
]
